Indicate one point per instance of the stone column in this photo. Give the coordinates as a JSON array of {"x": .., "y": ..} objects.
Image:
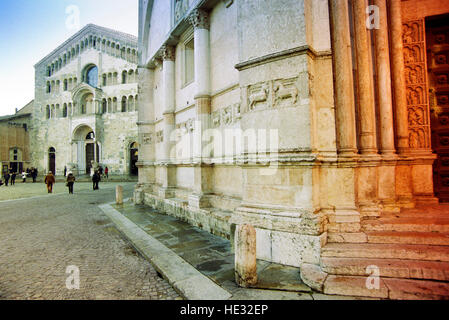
[
  {"x": 367, "y": 171},
  {"x": 387, "y": 177},
  {"x": 365, "y": 89},
  {"x": 344, "y": 93},
  {"x": 168, "y": 80},
  {"x": 145, "y": 125},
  {"x": 384, "y": 82},
  {"x": 200, "y": 21}
]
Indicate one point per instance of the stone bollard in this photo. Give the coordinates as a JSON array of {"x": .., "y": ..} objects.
[
  {"x": 119, "y": 195},
  {"x": 245, "y": 256}
]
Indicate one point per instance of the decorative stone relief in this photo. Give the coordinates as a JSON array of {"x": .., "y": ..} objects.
[
  {"x": 272, "y": 94},
  {"x": 185, "y": 127},
  {"x": 147, "y": 138},
  {"x": 181, "y": 7},
  {"x": 168, "y": 53},
  {"x": 199, "y": 19},
  {"x": 416, "y": 81},
  {"x": 226, "y": 116},
  {"x": 285, "y": 90},
  {"x": 258, "y": 94}
]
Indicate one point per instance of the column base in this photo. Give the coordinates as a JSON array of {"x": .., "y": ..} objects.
[
  {"x": 166, "y": 193},
  {"x": 424, "y": 200}
]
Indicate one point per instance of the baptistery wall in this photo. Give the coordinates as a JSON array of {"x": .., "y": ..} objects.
[{"x": 236, "y": 120}]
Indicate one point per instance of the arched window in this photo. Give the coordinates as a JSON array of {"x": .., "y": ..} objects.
[
  {"x": 104, "y": 106},
  {"x": 131, "y": 104},
  {"x": 65, "y": 85},
  {"x": 124, "y": 74},
  {"x": 47, "y": 112},
  {"x": 104, "y": 79},
  {"x": 64, "y": 111},
  {"x": 92, "y": 76},
  {"x": 124, "y": 104},
  {"x": 48, "y": 87}
]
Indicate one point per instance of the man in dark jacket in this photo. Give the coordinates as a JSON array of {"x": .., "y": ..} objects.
[
  {"x": 13, "y": 178},
  {"x": 96, "y": 179},
  {"x": 6, "y": 176}
]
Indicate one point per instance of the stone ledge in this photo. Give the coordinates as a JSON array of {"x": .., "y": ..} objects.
[{"x": 186, "y": 280}]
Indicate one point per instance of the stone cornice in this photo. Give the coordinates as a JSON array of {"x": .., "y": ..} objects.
[
  {"x": 302, "y": 50},
  {"x": 91, "y": 29}
]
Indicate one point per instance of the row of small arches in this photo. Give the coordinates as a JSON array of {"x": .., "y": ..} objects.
[
  {"x": 104, "y": 45},
  {"x": 127, "y": 76},
  {"x": 110, "y": 105},
  {"x": 55, "y": 85}
]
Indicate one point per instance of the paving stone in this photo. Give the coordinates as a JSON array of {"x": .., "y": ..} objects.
[{"x": 41, "y": 236}]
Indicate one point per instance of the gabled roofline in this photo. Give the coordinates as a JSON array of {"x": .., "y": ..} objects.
[{"x": 121, "y": 36}]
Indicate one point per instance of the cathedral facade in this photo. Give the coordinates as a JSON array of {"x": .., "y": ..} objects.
[
  {"x": 85, "y": 104},
  {"x": 321, "y": 123}
]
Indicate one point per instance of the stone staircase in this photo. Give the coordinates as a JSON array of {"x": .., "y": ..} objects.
[{"x": 409, "y": 250}]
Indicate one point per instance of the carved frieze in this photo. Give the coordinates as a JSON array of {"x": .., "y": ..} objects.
[
  {"x": 272, "y": 94},
  {"x": 185, "y": 127},
  {"x": 181, "y": 7},
  {"x": 147, "y": 138},
  {"x": 416, "y": 82},
  {"x": 226, "y": 116}
]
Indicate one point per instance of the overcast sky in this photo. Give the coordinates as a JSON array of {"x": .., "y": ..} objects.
[{"x": 31, "y": 29}]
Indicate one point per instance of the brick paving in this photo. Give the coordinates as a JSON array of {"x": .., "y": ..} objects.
[{"x": 41, "y": 237}]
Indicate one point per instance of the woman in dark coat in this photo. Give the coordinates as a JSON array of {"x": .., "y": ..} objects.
[{"x": 70, "y": 182}]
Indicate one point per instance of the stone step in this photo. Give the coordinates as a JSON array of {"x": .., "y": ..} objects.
[
  {"x": 390, "y": 268},
  {"x": 391, "y": 288},
  {"x": 407, "y": 225},
  {"x": 429, "y": 238},
  {"x": 386, "y": 251}
]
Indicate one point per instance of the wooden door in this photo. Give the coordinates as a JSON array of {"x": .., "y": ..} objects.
[{"x": 437, "y": 39}]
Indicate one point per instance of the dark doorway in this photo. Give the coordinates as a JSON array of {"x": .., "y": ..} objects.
[
  {"x": 437, "y": 40},
  {"x": 90, "y": 156},
  {"x": 134, "y": 157},
  {"x": 52, "y": 160}
]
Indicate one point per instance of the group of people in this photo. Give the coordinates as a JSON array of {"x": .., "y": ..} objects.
[
  {"x": 50, "y": 180},
  {"x": 10, "y": 176}
]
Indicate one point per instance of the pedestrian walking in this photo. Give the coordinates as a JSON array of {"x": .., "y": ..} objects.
[
  {"x": 106, "y": 172},
  {"x": 13, "y": 178},
  {"x": 6, "y": 176},
  {"x": 96, "y": 179},
  {"x": 34, "y": 174},
  {"x": 65, "y": 171},
  {"x": 70, "y": 182},
  {"x": 50, "y": 181},
  {"x": 24, "y": 177}
]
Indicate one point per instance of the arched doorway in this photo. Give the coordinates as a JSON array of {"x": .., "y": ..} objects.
[
  {"x": 91, "y": 153},
  {"x": 52, "y": 160},
  {"x": 133, "y": 158},
  {"x": 85, "y": 150}
]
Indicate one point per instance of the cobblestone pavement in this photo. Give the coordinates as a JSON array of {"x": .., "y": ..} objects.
[{"x": 40, "y": 237}]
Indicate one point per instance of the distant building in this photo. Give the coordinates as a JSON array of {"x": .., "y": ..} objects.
[
  {"x": 85, "y": 104},
  {"x": 15, "y": 140}
]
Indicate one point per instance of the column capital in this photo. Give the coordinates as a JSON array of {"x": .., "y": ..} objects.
[
  {"x": 168, "y": 53},
  {"x": 199, "y": 19}
]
